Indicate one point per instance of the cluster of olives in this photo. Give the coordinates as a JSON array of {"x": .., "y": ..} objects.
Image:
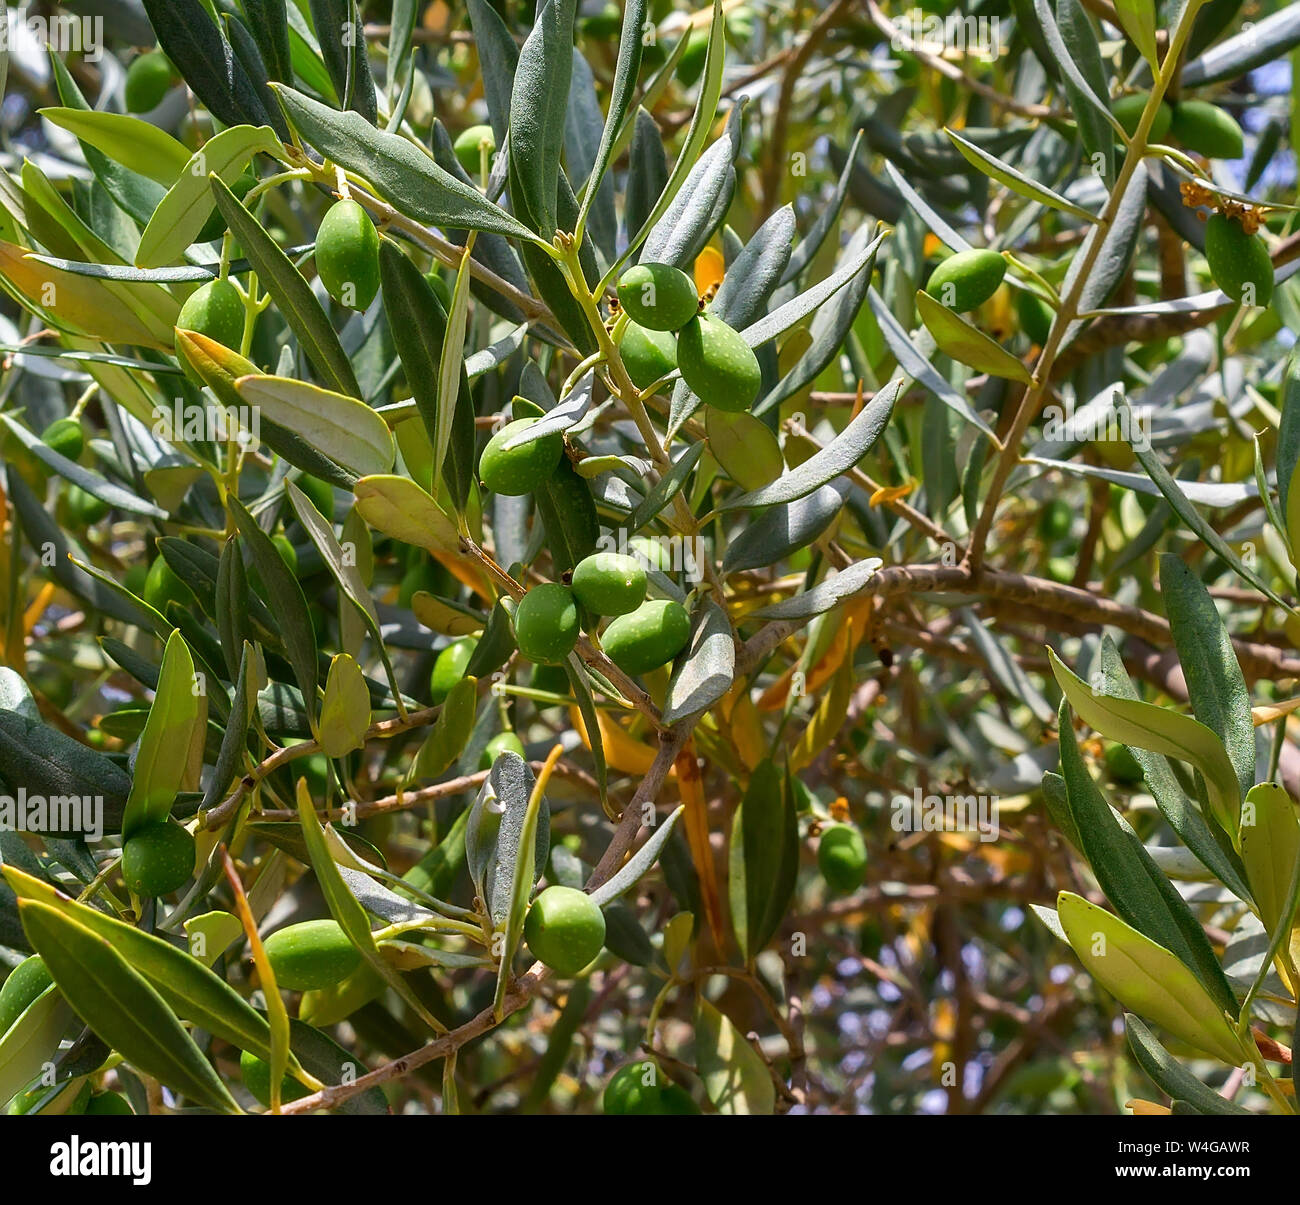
[{"x": 668, "y": 331}]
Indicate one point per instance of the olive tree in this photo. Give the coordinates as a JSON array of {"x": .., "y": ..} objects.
[{"x": 611, "y": 559}]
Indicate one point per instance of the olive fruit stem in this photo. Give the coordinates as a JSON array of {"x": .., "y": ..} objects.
[{"x": 1067, "y": 314}]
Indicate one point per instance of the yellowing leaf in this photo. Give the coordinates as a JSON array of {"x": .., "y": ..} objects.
[
  {"x": 967, "y": 344},
  {"x": 1146, "y": 978},
  {"x": 345, "y": 713}
]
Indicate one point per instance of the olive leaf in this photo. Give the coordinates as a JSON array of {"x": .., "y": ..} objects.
[
  {"x": 735, "y": 1076},
  {"x": 1270, "y": 850},
  {"x": 345, "y": 709},
  {"x": 400, "y": 508},
  {"x": 119, "y": 1004},
  {"x": 173, "y": 718},
  {"x": 1149, "y": 727},
  {"x": 966, "y": 343},
  {"x": 840, "y": 455},
  {"x": 32, "y": 1041},
  {"x": 181, "y": 214},
  {"x": 1145, "y": 977},
  {"x": 1134, "y": 885},
  {"x": 763, "y": 859},
  {"x": 1171, "y": 1076},
  {"x": 343, "y": 428},
  {"x": 189, "y": 988},
  {"x": 347, "y": 910}
]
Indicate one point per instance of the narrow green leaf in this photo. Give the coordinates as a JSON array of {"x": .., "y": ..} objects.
[
  {"x": 118, "y": 1003},
  {"x": 735, "y": 1077},
  {"x": 966, "y": 343},
  {"x": 1146, "y": 978},
  {"x": 1134, "y": 885},
  {"x": 343, "y": 428},
  {"x": 1169, "y": 732},
  {"x": 173, "y": 716},
  {"x": 1215, "y": 684},
  {"x": 134, "y": 143},
  {"x": 181, "y": 214},
  {"x": 1018, "y": 182}
]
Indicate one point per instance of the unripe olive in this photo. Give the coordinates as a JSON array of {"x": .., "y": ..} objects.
[
  {"x": 647, "y": 355},
  {"x": 1239, "y": 262},
  {"x": 147, "y": 80},
  {"x": 215, "y": 309},
  {"x": 310, "y": 955},
  {"x": 136, "y": 577},
  {"x": 609, "y": 583},
  {"x": 648, "y": 637},
  {"x": 658, "y": 296},
  {"x": 109, "y": 1104},
  {"x": 515, "y": 471},
  {"x": 1207, "y": 130},
  {"x": 546, "y": 624},
  {"x": 1128, "y": 111},
  {"x": 634, "y": 1091},
  {"x": 215, "y": 226},
  {"x": 553, "y": 679},
  {"x": 565, "y": 929},
  {"x": 503, "y": 742},
  {"x": 718, "y": 365},
  {"x": 1124, "y": 768},
  {"x": 468, "y": 147},
  {"x": 65, "y": 436},
  {"x": 83, "y": 507},
  {"x": 320, "y": 492},
  {"x": 347, "y": 255},
  {"x": 449, "y": 667},
  {"x": 1035, "y": 316},
  {"x": 1055, "y": 520},
  {"x": 677, "y": 1102},
  {"x": 256, "y": 1074},
  {"x": 25, "y": 982},
  {"x": 288, "y": 554},
  {"x": 163, "y": 586},
  {"x": 439, "y": 287},
  {"x": 842, "y": 857},
  {"x": 158, "y": 858},
  {"x": 968, "y": 279}
]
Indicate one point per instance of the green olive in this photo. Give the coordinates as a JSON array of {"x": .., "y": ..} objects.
[
  {"x": 609, "y": 583},
  {"x": 718, "y": 365},
  {"x": 469, "y": 146},
  {"x": 967, "y": 280},
  {"x": 24, "y": 984},
  {"x": 347, "y": 255},
  {"x": 148, "y": 79},
  {"x": 660, "y": 297},
  {"x": 65, "y": 436},
  {"x": 1207, "y": 130},
  {"x": 310, "y": 955},
  {"x": 842, "y": 857},
  {"x": 546, "y": 624},
  {"x": 503, "y": 742},
  {"x": 565, "y": 929},
  {"x": 648, "y": 637},
  {"x": 1239, "y": 262},
  {"x": 158, "y": 858},
  {"x": 648, "y": 355},
  {"x": 449, "y": 667},
  {"x": 522, "y": 469}
]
